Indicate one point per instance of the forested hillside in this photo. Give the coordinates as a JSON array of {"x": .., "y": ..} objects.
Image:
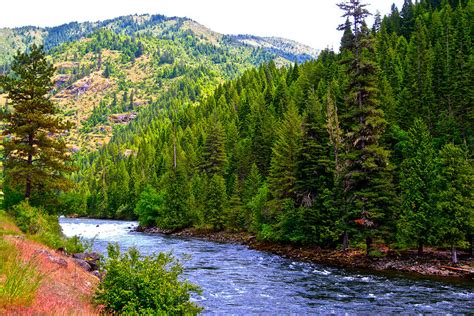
[
  {"x": 360, "y": 158},
  {"x": 369, "y": 145},
  {"x": 108, "y": 72}
]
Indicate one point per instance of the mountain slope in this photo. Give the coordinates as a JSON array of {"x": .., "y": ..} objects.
[
  {"x": 13, "y": 39},
  {"x": 288, "y": 49},
  {"x": 109, "y": 72}
]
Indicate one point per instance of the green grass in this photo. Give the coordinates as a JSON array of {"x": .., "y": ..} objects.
[
  {"x": 7, "y": 225},
  {"x": 19, "y": 280}
]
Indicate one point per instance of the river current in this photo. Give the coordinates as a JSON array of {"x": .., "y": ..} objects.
[{"x": 238, "y": 280}]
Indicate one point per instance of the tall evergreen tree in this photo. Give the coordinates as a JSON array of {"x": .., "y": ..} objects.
[
  {"x": 314, "y": 164},
  {"x": 367, "y": 185},
  {"x": 252, "y": 183},
  {"x": 456, "y": 197},
  {"x": 417, "y": 99},
  {"x": 214, "y": 158},
  {"x": 408, "y": 18},
  {"x": 216, "y": 202},
  {"x": 418, "y": 224},
  {"x": 347, "y": 40},
  {"x": 175, "y": 200},
  {"x": 284, "y": 168},
  {"x": 36, "y": 156}
]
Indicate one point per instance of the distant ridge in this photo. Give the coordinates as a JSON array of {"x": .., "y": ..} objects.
[
  {"x": 286, "y": 48},
  {"x": 14, "y": 39}
]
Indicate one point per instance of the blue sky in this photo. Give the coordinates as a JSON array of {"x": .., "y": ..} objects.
[{"x": 312, "y": 22}]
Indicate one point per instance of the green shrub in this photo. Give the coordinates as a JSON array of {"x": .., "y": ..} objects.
[
  {"x": 37, "y": 224},
  {"x": 149, "y": 207},
  {"x": 44, "y": 228},
  {"x": 77, "y": 244},
  {"x": 144, "y": 285},
  {"x": 27, "y": 217}
]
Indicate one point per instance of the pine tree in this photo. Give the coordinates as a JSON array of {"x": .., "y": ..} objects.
[
  {"x": 214, "y": 158},
  {"x": 367, "y": 186},
  {"x": 237, "y": 218},
  {"x": 347, "y": 40},
  {"x": 216, "y": 202},
  {"x": 418, "y": 219},
  {"x": 394, "y": 20},
  {"x": 252, "y": 183},
  {"x": 418, "y": 97},
  {"x": 314, "y": 166},
  {"x": 284, "y": 168},
  {"x": 456, "y": 197},
  {"x": 408, "y": 18},
  {"x": 175, "y": 200},
  {"x": 36, "y": 156}
]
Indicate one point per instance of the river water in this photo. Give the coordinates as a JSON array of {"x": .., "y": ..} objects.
[{"x": 238, "y": 280}]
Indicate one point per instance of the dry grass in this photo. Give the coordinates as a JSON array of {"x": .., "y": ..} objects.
[
  {"x": 201, "y": 30},
  {"x": 140, "y": 70}
]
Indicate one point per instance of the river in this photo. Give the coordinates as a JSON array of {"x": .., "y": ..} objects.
[{"x": 238, "y": 280}]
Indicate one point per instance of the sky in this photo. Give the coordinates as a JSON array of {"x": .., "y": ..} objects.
[{"x": 311, "y": 22}]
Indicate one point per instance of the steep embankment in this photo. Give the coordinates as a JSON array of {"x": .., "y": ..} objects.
[{"x": 64, "y": 287}]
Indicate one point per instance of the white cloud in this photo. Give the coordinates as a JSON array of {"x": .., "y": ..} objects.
[{"x": 312, "y": 22}]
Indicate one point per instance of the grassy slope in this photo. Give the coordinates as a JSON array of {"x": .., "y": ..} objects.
[{"x": 64, "y": 289}]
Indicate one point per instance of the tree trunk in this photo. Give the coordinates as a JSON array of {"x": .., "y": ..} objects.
[
  {"x": 28, "y": 187},
  {"x": 30, "y": 163},
  {"x": 420, "y": 248},
  {"x": 454, "y": 255},
  {"x": 368, "y": 244},
  {"x": 345, "y": 241}
]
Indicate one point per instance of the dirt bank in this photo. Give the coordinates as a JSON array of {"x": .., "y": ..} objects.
[{"x": 66, "y": 289}]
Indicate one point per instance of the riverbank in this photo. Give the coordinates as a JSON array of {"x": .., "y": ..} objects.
[
  {"x": 434, "y": 263},
  {"x": 54, "y": 282}
]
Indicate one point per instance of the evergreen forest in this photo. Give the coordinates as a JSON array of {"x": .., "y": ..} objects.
[{"x": 366, "y": 146}]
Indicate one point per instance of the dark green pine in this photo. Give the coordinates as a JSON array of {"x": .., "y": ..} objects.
[{"x": 36, "y": 155}]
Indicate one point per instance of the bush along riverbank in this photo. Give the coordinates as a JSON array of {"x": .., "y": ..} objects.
[
  {"x": 433, "y": 263},
  {"x": 44, "y": 273}
]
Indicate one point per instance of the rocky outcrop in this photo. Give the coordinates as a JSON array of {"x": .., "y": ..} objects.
[
  {"x": 89, "y": 261},
  {"x": 122, "y": 117},
  {"x": 51, "y": 257}
]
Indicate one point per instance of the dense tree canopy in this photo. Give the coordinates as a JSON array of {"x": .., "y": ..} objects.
[{"x": 360, "y": 143}]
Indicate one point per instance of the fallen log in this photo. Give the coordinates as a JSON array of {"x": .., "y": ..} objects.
[{"x": 456, "y": 269}]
